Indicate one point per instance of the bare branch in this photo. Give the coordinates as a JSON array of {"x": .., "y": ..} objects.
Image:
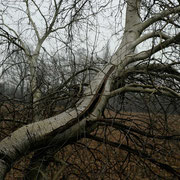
[
  {"x": 158, "y": 17},
  {"x": 116, "y": 123},
  {"x": 49, "y": 29},
  {"x": 31, "y": 20},
  {"x": 144, "y": 37},
  {"x": 39, "y": 10},
  {"x": 136, "y": 152},
  {"x": 144, "y": 89},
  {"x": 13, "y": 39},
  {"x": 162, "y": 45}
]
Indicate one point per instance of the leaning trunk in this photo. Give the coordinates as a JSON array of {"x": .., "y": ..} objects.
[
  {"x": 55, "y": 131},
  {"x": 131, "y": 33}
]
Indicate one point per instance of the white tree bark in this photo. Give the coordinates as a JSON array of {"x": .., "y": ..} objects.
[{"x": 71, "y": 122}]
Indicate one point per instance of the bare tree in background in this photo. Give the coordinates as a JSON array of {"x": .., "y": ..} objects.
[
  {"x": 144, "y": 70},
  {"x": 54, "y": 17}
]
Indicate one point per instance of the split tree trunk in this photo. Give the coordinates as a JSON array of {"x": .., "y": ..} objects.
[{"x": 56, "y": 130}]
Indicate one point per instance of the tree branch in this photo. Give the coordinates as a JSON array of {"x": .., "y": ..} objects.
[
  {"x": 39, "y": 10},
  {"x": 166, "y": 70},
  {"x": 31, "y": 21},
  {"x": 148, "y": 36},
  {"x": 136, "y": 152},
  {"x": 160, "y": 46},
  {"x": 144, "y": 89},
  {"x": 12, "y": 39},
  {"x": 158, "y": 17},
  {"x": 119, "y": 126}
]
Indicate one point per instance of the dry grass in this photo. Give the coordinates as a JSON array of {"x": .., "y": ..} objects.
[{"x": 88, "y": 159}]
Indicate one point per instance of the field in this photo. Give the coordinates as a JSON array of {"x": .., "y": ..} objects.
[{"x": 129, "y": 148}]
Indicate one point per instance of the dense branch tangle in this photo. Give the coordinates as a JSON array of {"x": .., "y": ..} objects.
[{"x": 142, "y": 72}]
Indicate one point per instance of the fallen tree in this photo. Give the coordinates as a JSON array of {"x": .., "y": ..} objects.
[{"x": 47, "y": 136}]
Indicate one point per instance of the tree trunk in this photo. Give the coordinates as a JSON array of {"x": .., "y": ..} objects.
[
  {"x": 35, "y": 91},
  {"x": 55, "y": 131}
]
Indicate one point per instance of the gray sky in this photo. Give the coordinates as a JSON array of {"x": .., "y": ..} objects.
[{"x": 108, "y": 25}]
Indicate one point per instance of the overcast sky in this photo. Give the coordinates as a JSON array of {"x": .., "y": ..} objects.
[{"x": 108, "y": 24}]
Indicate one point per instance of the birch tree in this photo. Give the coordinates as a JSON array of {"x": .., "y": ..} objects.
[
  {"x": 145, "y": 63},
  {"x": 18, "y": 30}
]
